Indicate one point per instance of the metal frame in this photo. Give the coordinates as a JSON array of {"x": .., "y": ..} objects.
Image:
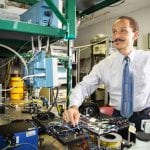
[
  {"x": 23, "y": 31},
  {"x": 148, "y": 41}
]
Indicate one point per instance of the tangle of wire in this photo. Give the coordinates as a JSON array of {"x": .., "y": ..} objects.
[
  {"x": 12, "y": 50},
  {"x": 29, "y": 76},
  {"x": 9, "y": 62},
  {"x": 55, "y": 101},
  {"x": 3, "y": 65}
]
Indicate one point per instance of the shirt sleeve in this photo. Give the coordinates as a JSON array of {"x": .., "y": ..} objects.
[{"x": 89, "y": 84}]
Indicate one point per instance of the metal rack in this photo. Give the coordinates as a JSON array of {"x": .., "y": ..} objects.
[
  {"x": 16, "y": 33},
  {"x": 11, "y": 31}
]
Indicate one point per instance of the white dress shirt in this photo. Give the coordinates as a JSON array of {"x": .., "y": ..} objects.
[{"x": 109, "y": 73}]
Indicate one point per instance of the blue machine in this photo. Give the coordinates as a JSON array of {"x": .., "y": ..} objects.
[
  {"x": 46, "y": 66},
  {"x": 22, "y": 135},
  {"x": 40, "y": 13}
]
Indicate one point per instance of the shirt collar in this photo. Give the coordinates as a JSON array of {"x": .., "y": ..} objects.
[{"x": 131, "y": 55}]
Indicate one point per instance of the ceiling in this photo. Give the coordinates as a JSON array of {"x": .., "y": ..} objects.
[{"x": 128, "y": 6}]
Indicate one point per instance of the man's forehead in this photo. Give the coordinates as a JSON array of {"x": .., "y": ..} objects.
[
  {"x": 122, "y": 23},
  {"x": 122, "y": 19}
]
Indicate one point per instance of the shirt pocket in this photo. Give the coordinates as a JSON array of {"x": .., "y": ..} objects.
[{"x": 140, "y": 81}]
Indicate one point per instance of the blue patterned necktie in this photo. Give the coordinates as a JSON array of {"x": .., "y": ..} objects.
[{"x": 127, "y": 90}]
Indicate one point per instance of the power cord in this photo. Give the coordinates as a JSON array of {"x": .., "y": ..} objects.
[{"x": 10, "y": 147}]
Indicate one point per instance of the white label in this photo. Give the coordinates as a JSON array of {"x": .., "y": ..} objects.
[
  {"x": 17, "y": 139},
  {"x": 132, "y": 129},
  {"x": 30, "y": 133}
]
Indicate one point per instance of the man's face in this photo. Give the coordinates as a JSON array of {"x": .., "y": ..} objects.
[{"x": 123, "y": 35}]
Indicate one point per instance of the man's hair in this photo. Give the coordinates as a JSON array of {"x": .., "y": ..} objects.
[{"x": 133, "y": 23}]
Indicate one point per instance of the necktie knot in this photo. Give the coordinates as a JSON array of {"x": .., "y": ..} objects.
[{"x": 126, "y": 58}]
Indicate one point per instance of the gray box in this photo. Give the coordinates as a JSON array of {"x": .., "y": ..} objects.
[{"x": 41, "y": 14}]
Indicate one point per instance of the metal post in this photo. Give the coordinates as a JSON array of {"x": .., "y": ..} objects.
[
  {"x": 78, "y": 65},
  {"x": 71, "y": 19},
  {"x": 69, "y": 71}
]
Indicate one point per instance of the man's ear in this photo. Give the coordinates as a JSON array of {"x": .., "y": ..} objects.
[{"x": 136, "y": 35}]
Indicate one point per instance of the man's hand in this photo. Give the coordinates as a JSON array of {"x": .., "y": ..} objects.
[{"x": 72, "y": 115}]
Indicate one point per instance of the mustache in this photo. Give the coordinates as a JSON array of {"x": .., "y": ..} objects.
[{"x": 118, "y": 40}]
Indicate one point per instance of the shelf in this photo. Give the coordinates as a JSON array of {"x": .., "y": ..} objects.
[
  {"x": 28, "y": 2},
  {"x": 15, "y": 34},
  {"x": 27, "y": 29}
]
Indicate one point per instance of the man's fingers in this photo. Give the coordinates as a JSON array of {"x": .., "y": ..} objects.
[
  {"x": 71, "y": 116},
  {"x": 76, "y": 118},
  {"x": 66, "y": 116}
]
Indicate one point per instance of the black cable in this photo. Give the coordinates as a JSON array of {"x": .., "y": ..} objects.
[
  {"x": 119, "y": 3},
  {"x": 50, "y": 18},
  {"x": 55, "y": 101}
]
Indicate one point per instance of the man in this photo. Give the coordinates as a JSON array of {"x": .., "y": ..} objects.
[{"x": 125, "y": 32}]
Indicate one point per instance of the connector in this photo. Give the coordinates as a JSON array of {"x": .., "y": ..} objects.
[{"x": 145, "y": 125}]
